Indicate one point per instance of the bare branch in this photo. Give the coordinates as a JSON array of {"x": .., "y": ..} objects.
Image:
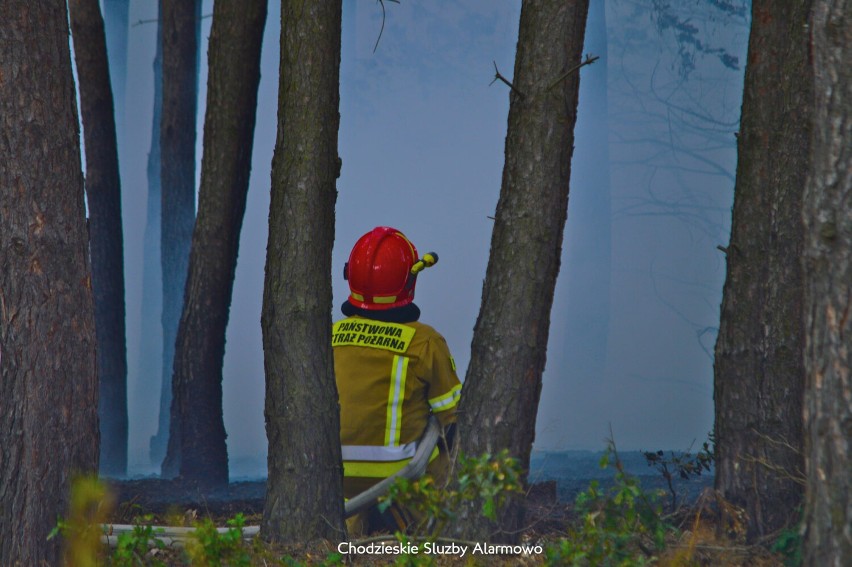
[
  {"x": 155, "y": 20},
  {"x": 382, "y": 29},
  {"x": 587, "y": 61},
  {"x": 150, "y": 21},
  {"x": 499, "y": 77}
]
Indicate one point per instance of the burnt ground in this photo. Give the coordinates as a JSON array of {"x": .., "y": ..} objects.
[
  {"x": 171, "y": 500},
  {"x": 557, "y": 480},
  {"x": 175, "y": 502}
]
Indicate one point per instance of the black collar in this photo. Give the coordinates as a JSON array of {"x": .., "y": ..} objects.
[{"x": 405, "y": 314}]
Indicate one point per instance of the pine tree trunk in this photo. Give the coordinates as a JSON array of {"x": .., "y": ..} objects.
[
  {"x": 48, "y": 388},
  {"x": 116, "y": 23},
  {"x": 828, "y": 293},
  {"x": 181, "y": 29},
  {"x": 106, "y": 240},
  {"x": 150, "y": 340},
  {"x": 197, "y": 436},
  {"x": 304, "y": 496},
  {"x": 759, "y": 373},
  {"x": 583, "y": 354},
  {"x": 503, "y": 382}
]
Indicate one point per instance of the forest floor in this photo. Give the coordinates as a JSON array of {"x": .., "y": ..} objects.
[
  {"x": 695, "y": 542},
  {"x": 169, "y": 500}
]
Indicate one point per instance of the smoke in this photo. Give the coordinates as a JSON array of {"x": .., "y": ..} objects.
[{"x": 421, "y": 139}]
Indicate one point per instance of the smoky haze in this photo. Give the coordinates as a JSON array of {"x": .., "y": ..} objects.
[{"x": 421, "y": 138}]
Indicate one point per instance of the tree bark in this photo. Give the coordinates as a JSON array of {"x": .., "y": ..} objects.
[
  {"x": 759, "y": 372},
  {"x": 106, "y": 240},
  {"x": 828, "y": 293},
  {"x": 304, "y": 497},
  {"x": 48, "y": 390},
  {"x": 181, "y": 29},
  {"x": 197, "y": 436},
  {"x": 508, "y": 352}
]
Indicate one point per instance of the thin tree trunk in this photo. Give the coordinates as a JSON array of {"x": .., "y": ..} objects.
[
  {"x": 828, "y": 293},
  {"x": 759, "y": 373},
  {"x": 181, "y": 29},
  {"x": 503, "y": 383},
  {"x": 48, "y": 388},
  {"x": 197, "y": 437},
  {"x": 587, "y": 306},
  {"x": 304, "y": 496},
  {"x": 151, "y": 336},
  {"x": 116, "y": 22},
  {"x": 106, "y": 240}
]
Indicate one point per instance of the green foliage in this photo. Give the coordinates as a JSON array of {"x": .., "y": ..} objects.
[
  {"x": 62, "y": 528},
  {"x": 489, "y": 479},
  {"x": 411, "y": 559},
  {"x": 618, "y": 526},
  {"x": 330, "y": 560},
  {"x": 210, "y": 548},
  {"x": 133, "y": 548},
  {"x": 789, "y": 546},
  {"x": 683, "y": 465},
  {"x": 89, "y": 506}
]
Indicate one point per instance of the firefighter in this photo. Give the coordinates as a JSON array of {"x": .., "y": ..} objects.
[{"x": 392, "y": 371}]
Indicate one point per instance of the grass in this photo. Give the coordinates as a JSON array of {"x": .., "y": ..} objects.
[{"x": 622, "y": 524}]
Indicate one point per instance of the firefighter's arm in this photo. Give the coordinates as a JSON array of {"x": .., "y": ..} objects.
[{"x": 444, "y": 385}]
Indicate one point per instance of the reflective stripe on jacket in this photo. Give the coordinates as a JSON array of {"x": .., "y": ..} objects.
[{"x": 390, "y": 378}]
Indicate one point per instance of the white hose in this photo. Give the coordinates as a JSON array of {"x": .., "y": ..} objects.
[
  {"x": 169, "y": 535},
  {"x": 414, "y": 469},
  {"x": 177, "y": 536}
]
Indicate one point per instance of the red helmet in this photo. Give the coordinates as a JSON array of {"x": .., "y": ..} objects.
[{"x": 379, "y": 270}]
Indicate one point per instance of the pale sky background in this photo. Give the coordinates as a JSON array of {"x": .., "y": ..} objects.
[{"x": 421, "y": 138}]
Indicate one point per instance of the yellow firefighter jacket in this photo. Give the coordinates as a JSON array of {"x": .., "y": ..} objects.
[{"x": 390, "y": 378}]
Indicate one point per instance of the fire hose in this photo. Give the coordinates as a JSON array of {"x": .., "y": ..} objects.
[{"x": 173, "y": 535}]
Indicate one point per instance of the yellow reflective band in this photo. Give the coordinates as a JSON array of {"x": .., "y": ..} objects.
[
  {"x": 446, "y": 401},
  {"x": 453, "y": 363},
  {"x": 369, "y": 469},
  {"x": 357, "y": 296},
  {"x": 396, "y": 395},
  {"x": 384, "y": 298},
  {"x": 373, "y": 334}
]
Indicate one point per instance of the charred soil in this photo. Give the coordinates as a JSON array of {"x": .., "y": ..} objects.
[{"x": 174, "y": 502}]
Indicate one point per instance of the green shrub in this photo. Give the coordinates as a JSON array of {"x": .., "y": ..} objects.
[
  {"x": 490, "y": 479},
  {"x": 618, "y": 526},
  {"x": 133, "y": 548},
  {"x": 210, "y": 548},
  {"x": 684, "y": 465},
  {"x": 90, "y": 505},
  {"x": 789, "y": 546}
]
